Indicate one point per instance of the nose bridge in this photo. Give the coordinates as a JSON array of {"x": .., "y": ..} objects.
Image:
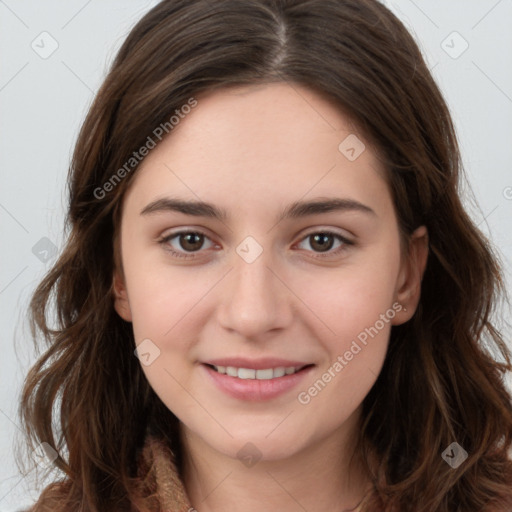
[{"x": 256, "y": 300}]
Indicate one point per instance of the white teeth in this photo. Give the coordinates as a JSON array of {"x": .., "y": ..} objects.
[
  {"x": 231, "y": 371},
  {"x": 279, "y": 372},
  {"x": 249, "y": 373},
  {"x": 246, "y": 373},
  {"x": 265, "y": 374}
]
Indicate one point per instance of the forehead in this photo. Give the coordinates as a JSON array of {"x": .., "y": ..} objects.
[{"x": 256, "y": 145}]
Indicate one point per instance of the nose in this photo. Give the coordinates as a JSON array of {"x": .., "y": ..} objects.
[{"x": 256, "y": 299}]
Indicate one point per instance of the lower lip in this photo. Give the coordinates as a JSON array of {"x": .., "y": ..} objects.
[{"x": 254, "y": 389}]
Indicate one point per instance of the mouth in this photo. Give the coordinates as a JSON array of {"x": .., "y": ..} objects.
[{"x": 255, "y": 385}]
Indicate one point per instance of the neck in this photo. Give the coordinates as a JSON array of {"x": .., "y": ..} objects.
[{"x": 216, "y": 482}]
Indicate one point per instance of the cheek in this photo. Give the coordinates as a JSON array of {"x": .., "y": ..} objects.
[
  {"x": 352, "y": 297},
  {"x": 161, "y": 297},
  {"x": 164, "y": 312},
  {"x": 358, "y": 312},
  {"x": 354, "y": 304}
]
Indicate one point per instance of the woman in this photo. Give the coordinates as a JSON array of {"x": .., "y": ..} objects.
[{"x": 264, "y": 206}]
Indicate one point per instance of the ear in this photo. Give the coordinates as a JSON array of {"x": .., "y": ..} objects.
[
  {"x": 408, "y": 288},
  {"x": 121, "y": 302}
]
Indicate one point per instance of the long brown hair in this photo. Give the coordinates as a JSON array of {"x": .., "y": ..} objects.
[{"x": 441, "y": 382}]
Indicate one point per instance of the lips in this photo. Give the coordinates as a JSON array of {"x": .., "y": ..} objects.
[{"x": 255, "y": 380}]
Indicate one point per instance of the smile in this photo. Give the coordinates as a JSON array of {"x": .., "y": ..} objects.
[{"x": 251, "y": 384}]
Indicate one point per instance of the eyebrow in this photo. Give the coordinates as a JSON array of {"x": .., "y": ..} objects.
[{"x": 295, "y": 210}]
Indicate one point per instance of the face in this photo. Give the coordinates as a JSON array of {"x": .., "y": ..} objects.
[{"x": 294, "y": 302}]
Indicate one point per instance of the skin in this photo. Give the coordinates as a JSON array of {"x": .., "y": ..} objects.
[{"x": 253, "y": 151}]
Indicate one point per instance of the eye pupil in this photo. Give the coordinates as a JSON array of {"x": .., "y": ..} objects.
[
  {"x": 320, "y": 238},
  {"x": 193, "y": 241}
]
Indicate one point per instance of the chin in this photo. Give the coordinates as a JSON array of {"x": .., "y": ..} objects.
[{"x": 264, "y": 444}]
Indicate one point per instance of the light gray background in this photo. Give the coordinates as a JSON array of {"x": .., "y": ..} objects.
[{"x": 44, "y": 100}]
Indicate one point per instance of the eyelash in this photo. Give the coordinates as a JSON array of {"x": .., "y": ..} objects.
[{"x": 346, "y": 243}]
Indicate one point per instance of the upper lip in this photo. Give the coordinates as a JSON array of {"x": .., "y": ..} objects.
[{"x": 255, "y": 364}]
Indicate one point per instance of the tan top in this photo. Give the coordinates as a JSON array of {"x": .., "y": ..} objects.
[{"x": 160, "y": 477}]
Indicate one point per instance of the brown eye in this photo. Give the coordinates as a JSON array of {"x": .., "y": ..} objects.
[
  {"x": 188, "y": 242},
  {"x": 322, "y": 241},
  {"x": 191, "y": 241}
]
